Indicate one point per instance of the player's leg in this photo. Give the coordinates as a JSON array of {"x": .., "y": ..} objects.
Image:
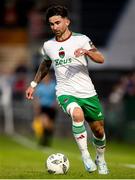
[
  {"x": 80, "y": 134},
  {"x": 71, "y": 107},
  {"x": 99, "y": 140},
  {"x": 94, "y": 115},
  {"x": 47, "y": 119}
]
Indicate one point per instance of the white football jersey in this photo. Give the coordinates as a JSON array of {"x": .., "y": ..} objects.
[{"x": 71, "y": 72}]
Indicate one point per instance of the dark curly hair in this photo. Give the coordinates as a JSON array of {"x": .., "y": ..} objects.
[{"x": 56, "y": 10}]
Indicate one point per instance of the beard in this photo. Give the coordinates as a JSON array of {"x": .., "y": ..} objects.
[{"x": 59, "y": 33}]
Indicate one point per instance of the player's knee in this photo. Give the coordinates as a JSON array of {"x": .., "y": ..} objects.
[
  {"x": 77, "y": 115},
  {"x": 99, "y": 132},
  {"x": 75, "y": 111}
]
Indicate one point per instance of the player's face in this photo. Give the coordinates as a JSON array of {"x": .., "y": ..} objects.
[{"x": 59, "y": 25}]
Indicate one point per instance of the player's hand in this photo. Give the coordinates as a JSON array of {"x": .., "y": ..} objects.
[
  {"x": 80, "y": 52},
  {"x": 29, "y": 92}
]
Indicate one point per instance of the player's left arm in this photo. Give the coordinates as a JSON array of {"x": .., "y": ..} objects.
[{"x": 93, "y": 54}]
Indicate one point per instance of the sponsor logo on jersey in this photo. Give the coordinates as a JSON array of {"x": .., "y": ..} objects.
[
  {"x": 59, "y": 62},
  {"x": 62, "y": 60}
]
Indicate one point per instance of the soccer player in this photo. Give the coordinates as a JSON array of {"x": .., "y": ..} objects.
[
  {"x": 45, "y": 110},
  {"x": 69, "y": 53}
]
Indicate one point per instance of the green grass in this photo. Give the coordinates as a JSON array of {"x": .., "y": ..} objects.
[{"x": 18, "y": 161}]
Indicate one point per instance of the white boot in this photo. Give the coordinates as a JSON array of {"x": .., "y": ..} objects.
[
  {"x": 90, "y": 166},
  {"x": 102, "y": 167}
]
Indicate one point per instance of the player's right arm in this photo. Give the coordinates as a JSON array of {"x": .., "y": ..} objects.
[{"x": 41, "y": 73}]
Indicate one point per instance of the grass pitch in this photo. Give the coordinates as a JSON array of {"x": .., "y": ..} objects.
[{"x": 25, "y": 161}]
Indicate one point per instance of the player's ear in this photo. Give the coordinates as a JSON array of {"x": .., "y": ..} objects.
[{"x": 67, "y": 21}]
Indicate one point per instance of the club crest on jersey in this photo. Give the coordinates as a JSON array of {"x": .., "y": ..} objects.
[{"x": 61, "y": 53}]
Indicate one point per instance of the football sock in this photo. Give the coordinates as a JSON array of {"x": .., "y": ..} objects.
[
  {"x": 100, "y": 147},
  {"x": 80, "y": 135}
]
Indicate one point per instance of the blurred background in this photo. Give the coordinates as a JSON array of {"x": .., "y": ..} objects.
[{"x": 111, "y": 27}]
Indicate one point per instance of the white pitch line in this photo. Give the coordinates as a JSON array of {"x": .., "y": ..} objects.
[
  {"x": 29, "y": 144},
  {"x": 34, "y": 146},
  {"x": 129, "y": 165}
]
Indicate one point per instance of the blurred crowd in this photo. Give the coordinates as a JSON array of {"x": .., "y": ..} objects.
[
  {"x": 12, "y": 96},
  {"x": 124, "y": 91},
  {"x": 18, "y": 63},
  {"x": 19, "y": 60},
  {"x": 17, "y": 13},
  {"x": 24, "y": 14},
  {"x": 120, "y": 107}
]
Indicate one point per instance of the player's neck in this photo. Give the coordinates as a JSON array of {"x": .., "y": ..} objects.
[{"x": 66, "y": 35}]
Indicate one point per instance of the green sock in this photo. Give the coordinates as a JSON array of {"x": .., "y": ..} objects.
[{"x": 100, "y": 147}]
